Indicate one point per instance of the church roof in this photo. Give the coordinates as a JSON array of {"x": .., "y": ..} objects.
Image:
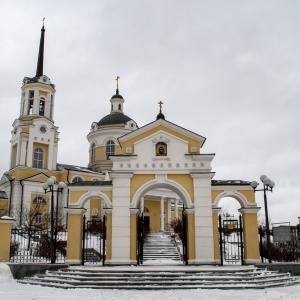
[
  {"x": 229, "y": 182},
  {"x": 75, "y": 168},
  {"x": 3, "y": 195},
  {"x": 114, "y": 119},
  {"x": 90, "y": 183}
]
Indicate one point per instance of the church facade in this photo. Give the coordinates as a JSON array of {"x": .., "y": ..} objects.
[{"x": 158, "y": 169}]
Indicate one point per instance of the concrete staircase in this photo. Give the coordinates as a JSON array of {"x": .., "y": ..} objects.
[
  {"x": 163, "y": 277},
  {"x": 159, "y": 248}
]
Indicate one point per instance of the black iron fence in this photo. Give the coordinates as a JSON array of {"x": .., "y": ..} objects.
[
  {"x": 94, "y": 241},
  {"x": 288, "y": 251},
  {"x": 231, "y": 240},
  {"x": 33, "y": 245}
]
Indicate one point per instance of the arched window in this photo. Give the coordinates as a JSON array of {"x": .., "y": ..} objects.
[
  {"x": 38, "y": 158},
  {"x": 77, "y": 179},
  {"x": 30, "y": 103},
  {"x": 110, "y": 148},
  {"x": 38, "y": 218},
  {"x": 146, "y": 209},
  {"x": 42, "y": 107},
  {"x": 120, "y": 106},
  {"x": 93, "y": 152},
  {"x": 39, "y": 200}
]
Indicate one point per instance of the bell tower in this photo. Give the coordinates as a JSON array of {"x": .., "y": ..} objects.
[{"x": 34, "y": 137}]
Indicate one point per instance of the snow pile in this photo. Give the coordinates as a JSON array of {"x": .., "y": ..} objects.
[{"x": 5, "y": 273}]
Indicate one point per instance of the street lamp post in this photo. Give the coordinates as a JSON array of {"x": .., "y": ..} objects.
[
  {"x": 268, "y": 185},
  {"x": 48, "y": 188}
]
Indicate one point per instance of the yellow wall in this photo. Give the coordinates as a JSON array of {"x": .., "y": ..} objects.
[
  {"x": 137, "y": 181},
  {"x": 133, "y": 236},
  {"x": 3, "y": 207},
  {"x": 216, "y": 236},
  {"x": 186, "y": 181},
  {"x": 95, "y": 203},
  {"x": 74, "y": 242},
  {"x": 43, "y": 209},
  {"x": 214, "y": 194},
  {"x": 154, "y": 214},
  {"x": 5, "y": 233},
  {"x": 75, "y": 195},
  {"x": 191, "y": 142},
  {"x": 248, "y": 194},
  {"x": 251, "y": 243},
  {"x": 191, "y": 236}
]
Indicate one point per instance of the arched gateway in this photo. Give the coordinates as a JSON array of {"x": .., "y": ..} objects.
[{"x": 140, "y": 179}]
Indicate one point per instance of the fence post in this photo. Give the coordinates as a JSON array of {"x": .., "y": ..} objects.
[{"x": 5, "y": 237}]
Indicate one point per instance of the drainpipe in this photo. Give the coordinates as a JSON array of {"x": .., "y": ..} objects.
[
  {"x": 68, "y": 194},
  {"x": 22, "y": 196},
  {"x": 10, "y": 196}
]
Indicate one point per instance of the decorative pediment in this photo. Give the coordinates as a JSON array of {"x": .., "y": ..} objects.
[{"x": 161, "y": 139}]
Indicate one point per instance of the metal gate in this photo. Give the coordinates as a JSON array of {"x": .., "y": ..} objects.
[
  {"x": 140, "y": 238},
  {"x": 184, "y": 238},
  {"x": 94, "y": 241},
  {"x": 231, "y": 240}
]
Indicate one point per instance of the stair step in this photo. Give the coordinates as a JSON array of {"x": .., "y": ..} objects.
[{"x": 162, "y": 278}]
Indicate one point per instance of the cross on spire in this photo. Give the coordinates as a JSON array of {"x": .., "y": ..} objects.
[
  {"x": 117, "y": 80},
  {"x": 160, "y": 103}
]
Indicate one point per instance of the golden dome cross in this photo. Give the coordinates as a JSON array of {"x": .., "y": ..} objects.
[
  {"x": 117, "y": 80},
  {"x": 160, "y": 103}
]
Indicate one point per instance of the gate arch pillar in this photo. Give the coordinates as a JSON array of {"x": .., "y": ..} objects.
[
  {"x": 74, "y": 242},
  {"x": 250, "y": 235},
  {"x": 108, "y": 214},
  {"x": 216, "y": 211},
  {"x": 204, "y": 240}
]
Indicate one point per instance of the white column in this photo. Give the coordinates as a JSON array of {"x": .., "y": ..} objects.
[
  {"x": 120, "y": 253},
  {"x": 162, "y": 225},
  {"x": 142, "y": 205},
  {"x": 176, "y": 208},
  {"x": 169, "y": 212},
  {"x": 204, "y": 243}
]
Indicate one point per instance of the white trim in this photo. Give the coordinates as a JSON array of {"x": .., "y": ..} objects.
[
  {"x": 161, "y": 181},
  {"x": 236, "y": 195}
]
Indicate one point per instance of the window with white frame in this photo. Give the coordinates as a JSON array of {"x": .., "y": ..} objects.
[
  {"x": 38, "y": 218},
  {"x": 39, "y": 200},
  {"x": 38, "y": 157},
  {"x": 77, "y": 179},
  {"x": 93, "y": 152},
  {"x": 110, "y": 148}
]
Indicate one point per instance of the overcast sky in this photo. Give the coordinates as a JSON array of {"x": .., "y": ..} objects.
[{"x": 227, "y": 70}]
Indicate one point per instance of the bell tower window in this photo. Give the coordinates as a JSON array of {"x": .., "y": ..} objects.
[
  {"x": 93, "y": 152},
  {"x": 38, "y": 158},
  {"x": 120, "y": 107},
  {"x": 110, "y": 149},
  {"x": 42, "y": 107},
  {"x": 30, "y": 103}
]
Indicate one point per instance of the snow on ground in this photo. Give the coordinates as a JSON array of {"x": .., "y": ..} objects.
[{"x": 11, "y": 290}]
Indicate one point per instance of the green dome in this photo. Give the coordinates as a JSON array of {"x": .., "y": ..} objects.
[{"x": 114, "y": 119}]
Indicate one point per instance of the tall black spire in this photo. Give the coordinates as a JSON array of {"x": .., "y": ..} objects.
[{"x": 40, "y": 63}]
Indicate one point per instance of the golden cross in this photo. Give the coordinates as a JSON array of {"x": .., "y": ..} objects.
[
  {"x": 117, "y": 79},
  {"x": 160, "y": 103}
]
